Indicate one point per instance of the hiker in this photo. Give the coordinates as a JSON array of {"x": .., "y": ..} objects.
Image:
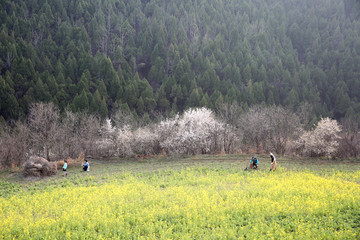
[
  {"x": 254, "y": 163},
  {"x": 86, "y": 166},
  {"x": 273, "y": 162},
  {"x": 64, "y": 168}
]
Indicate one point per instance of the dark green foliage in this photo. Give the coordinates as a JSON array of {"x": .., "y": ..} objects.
[
  {"x": 170, "y": 55},
  {"x": 81, "y": 102}
]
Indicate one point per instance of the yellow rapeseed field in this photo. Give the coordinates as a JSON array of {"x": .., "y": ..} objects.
[{"x": 192, "y": 203}]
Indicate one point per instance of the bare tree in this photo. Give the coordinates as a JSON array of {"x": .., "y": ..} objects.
[
  {"x": 306, "y": 114},
  {"x": 43, "y": 121},
  {"x": 350, "y": 138},
  {"x": 229, "y": 114},
  {"x": 284, "y": 126},
  {"x": 14, "y": 145},
  {"x": 269, "y": 128},
  {"x": 68, "y": 137},
  {"x": 79, "y": 133},
  {"x": 89, "y": 133},
  {"x": 254, "y": 125}
]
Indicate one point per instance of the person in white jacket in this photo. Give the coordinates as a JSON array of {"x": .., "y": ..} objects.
[{"x": 273, "y": 162}]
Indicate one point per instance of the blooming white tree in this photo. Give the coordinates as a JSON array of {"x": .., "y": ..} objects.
[
  {"x": 124, "y": 137},
  {"x": 107, "y": 143},
  {"x": 145, "y": 141},
  {"x": 194, "y": 132},
  {"x": 323, "y": 140}
]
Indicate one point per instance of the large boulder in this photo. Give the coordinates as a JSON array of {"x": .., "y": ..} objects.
[{"x": 39, "y": 167}]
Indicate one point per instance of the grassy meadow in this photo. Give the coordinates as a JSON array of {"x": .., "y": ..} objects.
[{"x": 198, "y": 197}]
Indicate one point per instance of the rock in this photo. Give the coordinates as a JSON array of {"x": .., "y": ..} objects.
[{"x": 39, "y": 167}]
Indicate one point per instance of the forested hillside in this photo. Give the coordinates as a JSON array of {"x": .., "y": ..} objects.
[{"x": 168, "y": 55}]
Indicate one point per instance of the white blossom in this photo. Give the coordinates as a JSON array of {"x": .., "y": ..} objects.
[
  {"x": 323, "y": 140},
  {"x": 191, "y": 133}
]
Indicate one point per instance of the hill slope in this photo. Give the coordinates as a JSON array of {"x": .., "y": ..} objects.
[{"x": 168, "y": 55}]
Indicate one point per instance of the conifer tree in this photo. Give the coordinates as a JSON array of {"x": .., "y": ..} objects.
[{"x": 81, "y": 102}]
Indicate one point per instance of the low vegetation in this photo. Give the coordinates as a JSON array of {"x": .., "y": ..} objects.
[{"x": 207, "y": 196}]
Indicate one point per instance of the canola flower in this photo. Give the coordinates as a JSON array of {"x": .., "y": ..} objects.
[{"x": 193, "y": 203}]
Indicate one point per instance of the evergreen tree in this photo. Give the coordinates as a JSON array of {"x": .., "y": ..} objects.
[
  {"x": 251, "y": 52},
  {"x": 109, "y": 76},
  {"x": 81, "y": 102},
  {"x": 140, "y": 106},
  {"x": 83, "y": 84},
  {"x": 194, "y": 99},
  {"x": 102, "y": 90},
  {"x": 103, "y": 110},
  {"x": 163, "y": 103},
  {"x": 130, "y": 95},
  {"x": 95, "y": 103}
]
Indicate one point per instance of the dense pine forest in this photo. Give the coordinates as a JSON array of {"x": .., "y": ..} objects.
[{"x": 147, "y": 56}]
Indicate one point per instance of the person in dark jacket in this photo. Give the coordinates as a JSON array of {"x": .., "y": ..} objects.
[{"x": 86, "y": 166}]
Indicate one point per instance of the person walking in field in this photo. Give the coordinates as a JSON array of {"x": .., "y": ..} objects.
[
  {"x": 65, "y": 168},
  {"x": 273, "y": 162}
]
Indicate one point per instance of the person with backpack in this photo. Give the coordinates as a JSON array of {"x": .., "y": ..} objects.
[
  {"x": 254, "y": 163},
  {"x": 65, "y": 168},
  {"x": 86, "y": 166}
]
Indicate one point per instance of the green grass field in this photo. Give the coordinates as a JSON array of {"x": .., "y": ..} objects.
[{"x": 199, "y": 197}]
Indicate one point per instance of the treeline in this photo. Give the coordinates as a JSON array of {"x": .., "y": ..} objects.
[
  {"x": 147, "y": 56},
  {"x": 261, "y": 129}
]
